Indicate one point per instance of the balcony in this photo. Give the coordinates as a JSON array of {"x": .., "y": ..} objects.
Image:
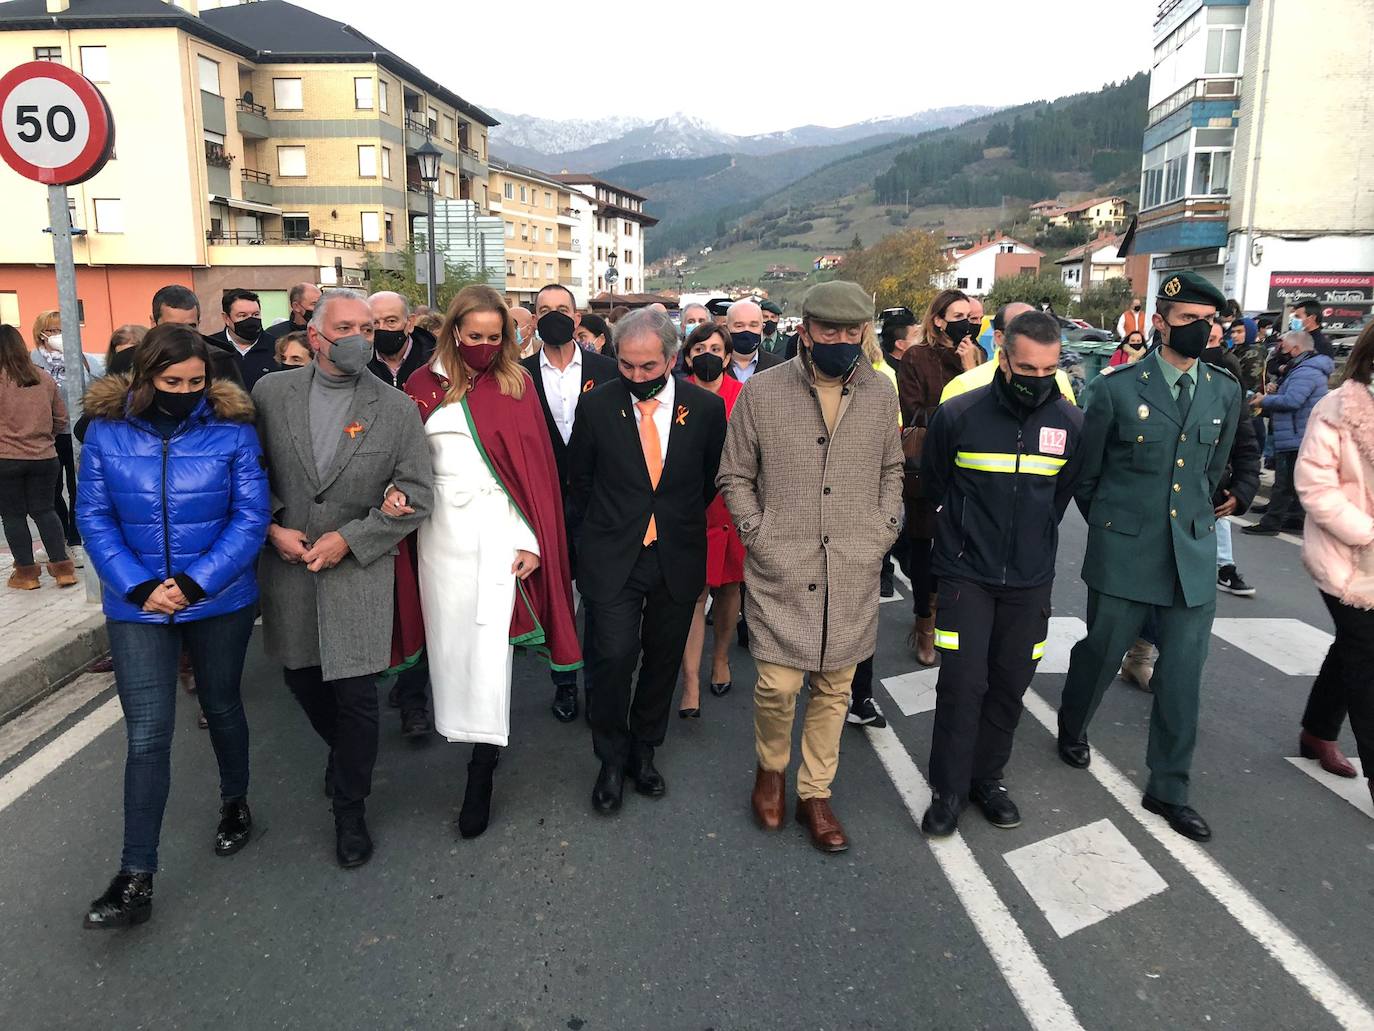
[
  {"x": 264, "y": 248},
  {"x": 252, "y": 120},
  {"x": 567, "y": 217},
  {"x": 257, "y": 186},
  {"x": 1199, "y": 89},
  {"x": 235, "y": 238},
  {"x": 216, "y": 156},
  {"x": 419, "y": 131}
]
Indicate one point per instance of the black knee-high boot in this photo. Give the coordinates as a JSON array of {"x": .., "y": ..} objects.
[{"x": 476, "y": 812}]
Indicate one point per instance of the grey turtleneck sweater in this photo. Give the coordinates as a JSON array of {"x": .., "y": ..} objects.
[{"x": 330, "y": 399}]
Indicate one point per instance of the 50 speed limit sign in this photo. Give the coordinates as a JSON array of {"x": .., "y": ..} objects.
[{"x": 55, "y": 126}]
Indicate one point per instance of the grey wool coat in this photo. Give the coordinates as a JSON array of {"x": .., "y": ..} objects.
[
  {"x": 339, "y": 619},
  {"x": 816, "y": 514}
]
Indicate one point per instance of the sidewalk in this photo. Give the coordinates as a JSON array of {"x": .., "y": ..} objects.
[{"x": 47, "y": 636}]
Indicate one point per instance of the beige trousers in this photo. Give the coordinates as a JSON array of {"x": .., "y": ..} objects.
[{"x": 775, "y": 706}]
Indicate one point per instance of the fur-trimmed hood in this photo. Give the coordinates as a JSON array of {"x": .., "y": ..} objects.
[
  {"x": 108, "y": 396},
  {"x": 1357, "y": 412}
]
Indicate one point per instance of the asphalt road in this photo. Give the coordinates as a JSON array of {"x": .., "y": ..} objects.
[{"x": 679, "y": 913}]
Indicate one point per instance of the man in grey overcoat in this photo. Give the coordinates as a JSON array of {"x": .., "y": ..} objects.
[
  {"x": 812, "y": 474},
  {"x": 336, "y": 439}
]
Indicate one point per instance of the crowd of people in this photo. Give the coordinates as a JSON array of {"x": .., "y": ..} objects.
[{"x": 408, "y": 498}]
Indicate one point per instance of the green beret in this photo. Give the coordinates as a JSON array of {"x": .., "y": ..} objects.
[
  {"x": 772, "y": 307},
  {"x": 1189, "y": 288},
  {"x": 845, "y": 304}
]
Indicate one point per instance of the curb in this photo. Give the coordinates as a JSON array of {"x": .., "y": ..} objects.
[{"x": 41, "y": 671}]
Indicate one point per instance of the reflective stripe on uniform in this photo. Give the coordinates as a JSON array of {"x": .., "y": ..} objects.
[
  {"x": 1042, "y": 465},
  {"x": 947, "y": 640},
  {"x": 1038, "y": 652},
  {"x": 1002, "y": 462}
]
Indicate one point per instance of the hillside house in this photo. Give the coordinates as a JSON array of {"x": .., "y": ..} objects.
[
  {"x": 977, "y": 268},
  {"x": 1091, "y": 264},
  {"x": 1101, "y": 214},
  {"x": 827, "y": 261}
]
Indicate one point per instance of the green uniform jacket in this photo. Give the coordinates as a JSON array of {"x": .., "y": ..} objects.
[{"x": 1148, "y": 481}]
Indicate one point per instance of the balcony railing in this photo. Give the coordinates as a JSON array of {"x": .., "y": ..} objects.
[
  {"x": 471, "y": 152},
  {"x": 251, "y": 239},
  {"x": 424, "y": 128},
  {"x": 251, "y": 175},
  {"x": 216, "y": 155},
  {"x": 250, "y": 108},
  {"x": 569, "y": 212},
  {"x": 1199, "y": 89}
]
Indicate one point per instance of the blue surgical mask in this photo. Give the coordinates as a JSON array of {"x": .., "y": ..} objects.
[{"x": 1295, "y": 323}]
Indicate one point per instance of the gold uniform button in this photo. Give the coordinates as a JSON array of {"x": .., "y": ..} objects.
[
  {"x": 1173, "y": 513},
  {"x": 1183, "y": 437},
  {"x": 1177, "y": 488},
  {"x": 1180, "y": 463},
  {"x": 1140, "y": 440}
]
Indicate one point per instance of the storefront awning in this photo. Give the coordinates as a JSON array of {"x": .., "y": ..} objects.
[{"x": 245, "y": 205}]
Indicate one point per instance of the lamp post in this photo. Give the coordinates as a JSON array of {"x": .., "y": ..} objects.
[{"x": 428, "y": 159}]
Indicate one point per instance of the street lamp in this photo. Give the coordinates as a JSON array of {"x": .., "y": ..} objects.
[{"x": 428, "y": 157}]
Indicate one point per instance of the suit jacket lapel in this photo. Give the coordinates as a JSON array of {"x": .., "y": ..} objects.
[
  {"x": 298, "y": 422},
  {"x": 626, "y": 418},
  {"x": 1155, "y": 392},
  {"x": 360, "y": 420}
]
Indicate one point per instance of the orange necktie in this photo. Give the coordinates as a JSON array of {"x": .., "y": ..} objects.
[{"x": 653, "y": 457}]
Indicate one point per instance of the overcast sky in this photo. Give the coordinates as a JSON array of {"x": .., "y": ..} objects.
[{"x": 772, "y": 65}]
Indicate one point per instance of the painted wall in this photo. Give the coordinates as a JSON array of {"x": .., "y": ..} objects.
[{"x": 112, "y": 296}]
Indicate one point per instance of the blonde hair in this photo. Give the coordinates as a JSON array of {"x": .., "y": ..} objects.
[
  {"x": 472, "y": 300},
  {"x": 45, "y": 324}
]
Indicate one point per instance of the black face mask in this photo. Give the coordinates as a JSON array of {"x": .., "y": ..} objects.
[
  {"x": 958, "y": 329},
  {"x": 307, "y": 315},
  {"x": 249, "y": 328},
  {"x": 556, "y": 328},
  {"x": 1190, "y": 340},
  {"x": 389, "y": 341},
  {"x": 745, "y": 342},
  {"x": 645, "y": 390},
  {"x": 836, "y": 360},
  {"x": 1030, "y": 392},
  {"x": 770, "y": 327},
  {"x": 707, "y": 367},
  {"x": 178, "y": 406},
  {"x": 120, "y": 362}
]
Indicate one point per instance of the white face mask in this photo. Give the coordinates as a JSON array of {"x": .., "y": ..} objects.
[{"x": 55, "y": 341}]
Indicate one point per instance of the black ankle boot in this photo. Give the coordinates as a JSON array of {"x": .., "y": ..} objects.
[
  {"x": 126, "y": 902},
  {"x": 476, "y": 812},
  {"x": 235, "y": 827},
  {"x": 352, "y": 843}
]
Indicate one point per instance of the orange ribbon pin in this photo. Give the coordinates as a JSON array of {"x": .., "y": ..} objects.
[
  {"x": 681, "y": 417},
  {"x": 353, "y": 429}
]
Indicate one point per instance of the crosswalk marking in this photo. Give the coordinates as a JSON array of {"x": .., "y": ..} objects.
[
  {"x": 914, "y": 692},
  {"x": 1289, "y": 645},
  {"x": 1065, "y": 632},
  {"x": 14, "y": 784},
  {"x": 1356, "y": 791},
  {"x": 1081, "y": 877}
]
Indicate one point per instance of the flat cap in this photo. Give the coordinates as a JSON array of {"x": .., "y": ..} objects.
[
  {"x": 843, "y": 303},
  {"x": 772, "y": 307},
  {"x": 1189, "y": 288},
  {"x": 718, "y": 305}
]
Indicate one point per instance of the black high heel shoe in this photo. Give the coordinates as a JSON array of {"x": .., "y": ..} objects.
[
  {"x": 476, "y": 812},
  {"x": 689, "y": 714},
  {"x": 128, "y": 901},
  {"x": 720, "y": 690}
]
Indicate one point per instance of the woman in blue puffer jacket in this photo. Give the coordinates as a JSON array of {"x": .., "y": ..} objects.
[{"x": 174, "y": 508}]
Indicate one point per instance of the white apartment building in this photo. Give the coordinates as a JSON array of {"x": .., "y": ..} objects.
[{"x": 613, "y": 232}]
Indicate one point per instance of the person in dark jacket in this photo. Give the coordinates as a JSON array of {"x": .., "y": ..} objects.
[
  {"x": 1000, "y": 463},
  {"x": 1307, "y": 318},
  {"x": 179, "y": 306},
  {"x": 1241, "y": 479},
  {"x": 1289, "y": 403},
  {"x": 253, "y": 348},
  {"x": 174, "y": 508}
]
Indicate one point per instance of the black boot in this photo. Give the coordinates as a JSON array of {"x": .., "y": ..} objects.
[
  {"x": 476, "y": 812},
  {"x": 127, "y": 901},
  {"x": 235, "y": 827},
  {"x": 329, "y": 776},
  {"x": 352, "y": 843},
  {"x": 565, "y": 702}
]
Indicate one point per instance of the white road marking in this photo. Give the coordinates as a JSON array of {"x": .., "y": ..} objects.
[
  {"x": 31, "y": 771},
  {"x": 901, "y": 577},
  {"x": 895, "y": 597},
  {"x": 1083, "y": 876},
  {"x": 22, "y": 731},
  {"x": 1065, "y": 632},
  {"x": 1356, "y": 791},
  {"x": 1289, "y": 645},
  {"x": 914, "y": 692},
  {"x": 1030, "y": 982},
  {"x": 1302, "y": 964}
]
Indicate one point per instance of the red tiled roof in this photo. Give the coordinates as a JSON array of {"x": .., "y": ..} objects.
[{"x": 958, "y": 255}]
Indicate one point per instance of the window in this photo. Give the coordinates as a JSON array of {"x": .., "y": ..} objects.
[
  {"x": 9, "y": 307},
  {"x": 383, "y": 103},
  {"x": 980, "y": 283},
  {"x": 524, "y": 270},
  {"x": 548, "y": 199},
  {"x": 372, "y": 227},
  {"x": 1179, "y": 36},
  {"x": 432, "y": 117},
  {"x": 295, "y": 225},
  {"x": 367, "y": 162},
  {"x": 628, "y": 228},
  {"x": 449, "y": 187},
  {"x": 524, "y": 231},
  {"x": 362, "y": 94},
  {"x": 510, "y": 230},
  {"x": 286, "y": 95},
  {"x": 208, "y": 71},
  {"x": 390, "y": 228},
  {"x": 1223, "y": 51},
  {"x": 509, "y": 191},
  {"x": 548, "y": 235},
  {"x": 548, "y": 270},
  {"x": 109, "y": 215},
  {"x": 510, "y": 267},
  {"x": 448, "y": 128},
  {"x": 961, "y": 283},
  {"x": 524, "y": 195},
  {"x": 386, "y": 162},
  {"x": 95, "y": 63},
  {"x": 47, "y": 54},
  {"x": 1165, "y": 169},
  {"x": 291, "y": 162},
  {"x": 1212, "y": 167}
]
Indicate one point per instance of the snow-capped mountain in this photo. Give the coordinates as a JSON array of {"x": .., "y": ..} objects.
[{"x": 557, "y": 136}]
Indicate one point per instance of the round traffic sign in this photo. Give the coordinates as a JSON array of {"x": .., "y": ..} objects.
[{"x": 55, "y": 126}]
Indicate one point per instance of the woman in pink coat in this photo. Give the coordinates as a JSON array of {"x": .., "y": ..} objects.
[{"x": 1335, "y": 479}]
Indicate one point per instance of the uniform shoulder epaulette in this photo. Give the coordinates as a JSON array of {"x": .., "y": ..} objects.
[
  {"x": 1110, "y": 369},
  {"x": 1223, "y": 370}
]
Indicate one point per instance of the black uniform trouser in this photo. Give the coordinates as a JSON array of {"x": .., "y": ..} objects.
[
  {"x": 344, "y": 714},
  {"x": 412, "y": 688},
  {"x": 641, "y": 625},
  {"x": 990, "y": 640}
]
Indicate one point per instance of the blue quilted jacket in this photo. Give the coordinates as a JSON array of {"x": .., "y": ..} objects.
[
  {"x": 150, "y": 508},
  {"x": 1301, "y": 387}
]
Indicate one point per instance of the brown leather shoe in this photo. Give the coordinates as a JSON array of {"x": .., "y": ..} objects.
[
  {"x": 1328, "y": 753},
  {"x": 826, "y": 833},
  {"x": 63, "y": 572},
  {"x": 922, "y": 639},
  {"x": 769, "y": 806},
  {"x": 24, "y": 578}
]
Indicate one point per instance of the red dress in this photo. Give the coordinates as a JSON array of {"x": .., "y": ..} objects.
[{"x": 724, "y": 549}]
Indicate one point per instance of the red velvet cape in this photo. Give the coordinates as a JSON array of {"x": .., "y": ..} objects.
[{"x": 513, "y": 438}]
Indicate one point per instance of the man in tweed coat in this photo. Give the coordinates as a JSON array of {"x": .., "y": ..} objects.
[
  {"x": 334, "y": 438},
  {"x": 812, "y": 474}
]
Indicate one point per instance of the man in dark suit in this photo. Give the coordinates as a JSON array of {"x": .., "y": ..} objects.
[
  {"x": 642, "y": 468},
  {"x": 562, "y": 372},
  {"x": 243, "y": 334},
  {"x": 302, "y": 298},
  {"x": 178, "y": 305},
  {"x": 744, "y": 320}
]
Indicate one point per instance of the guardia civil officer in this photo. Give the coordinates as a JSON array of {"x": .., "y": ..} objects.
[
  {"x": 1001, "y": 463},
  {"x": 1157, "y": 435}
]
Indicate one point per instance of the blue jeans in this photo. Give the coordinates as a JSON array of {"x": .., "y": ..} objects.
[
  {"x": 1226, "y": 555},
  {"x": 145, "y": 657}
]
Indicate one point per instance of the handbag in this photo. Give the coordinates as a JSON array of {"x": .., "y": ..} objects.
[{"x": 913, "y": 443}]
